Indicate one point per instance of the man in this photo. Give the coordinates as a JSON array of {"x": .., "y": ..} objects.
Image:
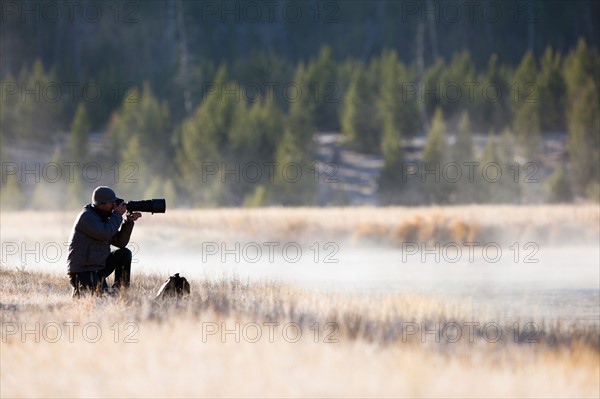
[{"x": 97, "y": 226}]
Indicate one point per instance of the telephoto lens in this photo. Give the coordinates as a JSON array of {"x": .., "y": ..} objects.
[{"x": 152, "y": 206}]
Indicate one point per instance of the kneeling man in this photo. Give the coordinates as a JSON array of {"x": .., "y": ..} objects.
[{"x": 97, "y": 226}]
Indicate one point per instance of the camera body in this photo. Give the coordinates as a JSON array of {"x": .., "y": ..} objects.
[{"x": 153, "y": 206}]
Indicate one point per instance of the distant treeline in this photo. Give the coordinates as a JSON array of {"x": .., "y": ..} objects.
[
  {"x": 243, "y": 127},
  {"x": 202, "y": 102},
  {"x": 176, "y": 45}
]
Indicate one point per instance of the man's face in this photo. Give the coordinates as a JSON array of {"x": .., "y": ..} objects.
[{"x": 106, "y": 206}]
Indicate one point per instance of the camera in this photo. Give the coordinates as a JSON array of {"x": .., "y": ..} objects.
[{"x": 152, "y": 206}]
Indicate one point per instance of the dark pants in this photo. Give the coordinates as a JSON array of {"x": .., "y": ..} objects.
[{"x": 118, "y": 261}]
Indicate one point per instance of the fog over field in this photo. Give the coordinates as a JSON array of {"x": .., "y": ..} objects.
[
  {"x": 543, "y": 266},
  {"x": 282, "y": 296}
]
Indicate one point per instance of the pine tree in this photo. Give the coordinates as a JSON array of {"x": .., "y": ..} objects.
[
  {"x": 557, "y": 186},
  {"x": 253, "y": 139},
  {"x": 462, "y": 154},
  {"x": 436, "y": 146},
  {"x": 431, "y": 89},
  {"x": 360, "y": 122},
  {"x": 580, "y": 71},
  {"x": 397, "y": 112},
  {"x": 462, "y": 150},
  {"x": 435, "y": 156},
  {"x": 495, "y": 108},
  {"x": 526, "y": 103},
  {"x": 323, "y": 90},
  {"x": 398, "y": 115},
  {"x": 510, "y": 186},
  {"x": 9, "y": 123},
  {"x": 350, "y": 110},
  {"x": 292, "y": 182},
  {"x": 75, "y": 194},
  {"x": 39, "y": 113},
  {"x": 149, "y": 120},
  {"x": 583, "y": 141},
  {"x": 454, "y": 81},
  {"x": 77, "y": 145},
  {"x": 527, "y": 128},
  {"x": 487, "y": 183},
  {"x": 301, "y": 115},
  {"x": 552, "y": 91},
  {"x": 387, "y": 107},
  {"x": 201, "y": 147},
  {"x": 132, "y": 185}
]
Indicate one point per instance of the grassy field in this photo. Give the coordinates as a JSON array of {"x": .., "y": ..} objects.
[
  {"x": 289, "y": 342},
  {"x": 238, "y": 338}
]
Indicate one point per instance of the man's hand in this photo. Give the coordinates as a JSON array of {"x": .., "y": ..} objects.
[
  {"x": 121, "y": 208},
  {"x": 132, "y": 217}
]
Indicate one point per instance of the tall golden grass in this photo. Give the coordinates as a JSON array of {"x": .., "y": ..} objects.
[
  {"x": 350, "y": 345},
  {"x": 171, "y": 353}
]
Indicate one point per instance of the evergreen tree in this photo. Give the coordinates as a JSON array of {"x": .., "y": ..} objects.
[
  {"x": 462, "y": 150},
  {"x": 301, "y": 116},
  {"x": 77, "y": 145},
  {"x": 455, "y": 81},
  {"x": 435, "y": 156},
  {"x": 387, "y": 106},
  {"x": 149, "y": 120},
  {"x": 487, "y": 183},
  {"x": 557, "y": 186},
  {"x": 495, "y": 108},
  {"x": 256, "y": 198},
  {"x": 463, "y": 154},
  {"x": 360, "y": 122},
  {"x": 583, "y": 141},
  {"x": 132, "y": 185},
  {"x": 292, "y": 182},
  {"x": 202, "y": 143},
  {"x": 398, "y": 115},
  {"x": 39, "y": 109},
  {"x": 75, "y": 194},
  {"x": 323, "y": 90},
  {"x": 9, "y": 112},
  {"x": 253, "y": 139},
  {"x": 510, "y": 186},
  {"x": 430, "y": 91},
  {"x": 527, "y": 107},
  {"x": 552, "y": 92},
  {"x": 581, "y": 66},
  {"x": 397, "y": 112}
]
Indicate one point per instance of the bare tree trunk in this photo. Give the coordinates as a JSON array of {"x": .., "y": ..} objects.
[
  {"x": 420, "y": 72},
  {"x": 489, "y": 33},
  {"x": 432, "y": 32},
  {"x": 184, "y": 59},
  {"x": 373, "y": 29},
  {"x": 531, "y": 21},
  {"x": 587, "y": 14},
  {"x": 58, "y": 39}
]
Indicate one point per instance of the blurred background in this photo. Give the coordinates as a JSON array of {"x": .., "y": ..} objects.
[{"x": 312, "y": 103}]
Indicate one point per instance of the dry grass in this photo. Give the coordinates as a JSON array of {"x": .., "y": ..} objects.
[{"x": 174, "y": 356}]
